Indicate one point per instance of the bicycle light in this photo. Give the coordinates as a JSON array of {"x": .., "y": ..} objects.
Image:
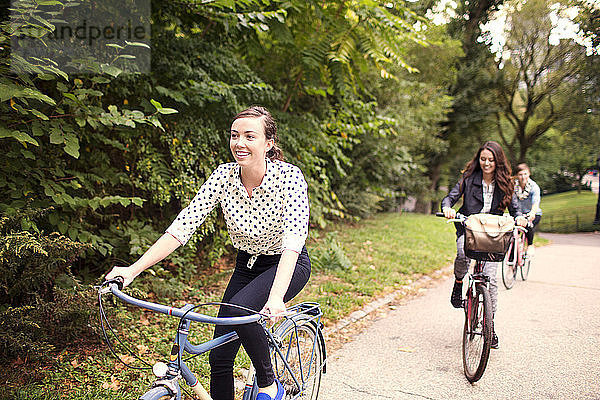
[{"x": 160, "y": 369}]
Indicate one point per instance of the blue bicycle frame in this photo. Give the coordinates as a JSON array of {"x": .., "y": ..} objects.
[{"x": 167, "y": 385}]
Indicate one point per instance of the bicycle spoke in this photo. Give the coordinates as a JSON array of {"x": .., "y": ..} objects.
[
  {"x": 477, "y": 334},
  {"x": 302, "y": 354}
]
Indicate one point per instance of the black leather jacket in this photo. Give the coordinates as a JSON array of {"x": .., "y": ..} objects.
[{"x": 472, "y": 193}]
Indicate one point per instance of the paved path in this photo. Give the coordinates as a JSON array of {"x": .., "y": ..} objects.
[{"x": 549, "y": 330}]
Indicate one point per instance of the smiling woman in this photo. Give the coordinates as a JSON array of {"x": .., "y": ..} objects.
[
  {"x": 265, "y": 204},
  {"x": 486, "y": 186}
]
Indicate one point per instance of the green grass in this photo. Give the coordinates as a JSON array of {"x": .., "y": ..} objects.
[
  {"x": 385, "y": 252},
  {"x": 568, "y": 212}
]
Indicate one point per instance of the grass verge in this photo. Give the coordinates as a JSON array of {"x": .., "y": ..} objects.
[{"x": 569, "y": 212}]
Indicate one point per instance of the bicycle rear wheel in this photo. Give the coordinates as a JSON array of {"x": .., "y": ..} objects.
[
  {"x": 300, "y": 347},
  {"x": 509, "y": 267},
  {"x": 477, "y": 333}
]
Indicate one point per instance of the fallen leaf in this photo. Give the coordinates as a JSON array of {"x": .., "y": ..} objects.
[
  {"x": 127, "y": 358},
  {"x": 114, "y": 383},
  {"x": 405, "y": 350},
  {"x": 144, "y": 320},
  {"x": 142, "y": 349}
]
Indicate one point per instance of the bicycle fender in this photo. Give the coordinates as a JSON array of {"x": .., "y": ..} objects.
[{"x": 157, "y": 393}]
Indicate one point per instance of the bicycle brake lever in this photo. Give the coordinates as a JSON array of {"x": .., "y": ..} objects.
[{"x": 103, "y": 289}]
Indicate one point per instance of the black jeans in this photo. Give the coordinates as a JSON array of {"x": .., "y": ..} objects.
[
  {"x": 250, "y": 287},
  {"x": 531, "y": 229}
]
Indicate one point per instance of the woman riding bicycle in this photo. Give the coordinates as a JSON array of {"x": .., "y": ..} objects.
[
  {"x": 528, "y": 195},
  {"x": 265, "y": 204},
  {"x": 486, "y": 187}
]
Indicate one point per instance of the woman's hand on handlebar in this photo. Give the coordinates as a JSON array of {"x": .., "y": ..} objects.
[
  {"x": 449, "y": 212},
  {"x": 521, "y": 221},
  {"x": 275, "y": 307},
  {"x": 127, "y": 273}
]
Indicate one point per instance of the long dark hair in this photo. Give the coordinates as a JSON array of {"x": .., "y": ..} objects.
[
  {"x": 269, "y": 125},
  {"x": 502, "y": 173}
]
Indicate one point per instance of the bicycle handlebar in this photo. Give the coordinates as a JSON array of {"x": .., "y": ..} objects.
[
  {"x": 181, "y": 312},
  {"x": 461, "y": 218}
]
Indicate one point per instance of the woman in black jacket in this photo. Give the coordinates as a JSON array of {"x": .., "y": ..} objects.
[{"x": 486, "y": 187}]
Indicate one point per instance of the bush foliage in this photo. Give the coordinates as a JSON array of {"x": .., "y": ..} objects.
[{"x": 113, "y": 155}]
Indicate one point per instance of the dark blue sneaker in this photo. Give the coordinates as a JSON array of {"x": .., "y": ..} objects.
[{"x": 279, "y": 396}]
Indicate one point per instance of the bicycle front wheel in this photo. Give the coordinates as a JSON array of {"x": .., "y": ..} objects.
[
  {"x": 509, "y": 267},
  {"x": 299, "y": 346},
  {"x": 477, "y": 333},
  {"x": 525, "y": 268}
]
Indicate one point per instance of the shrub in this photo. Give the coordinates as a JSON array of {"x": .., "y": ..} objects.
[
  {"x": 329, "y": 255},
  {"x": 36, "y": 313}
]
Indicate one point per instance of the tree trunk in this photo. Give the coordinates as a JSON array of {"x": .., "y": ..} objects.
[
  {"x": 597, "y": 218},
  {"x": 435, "y": 174},
  {"x": 522, "y": 154}
]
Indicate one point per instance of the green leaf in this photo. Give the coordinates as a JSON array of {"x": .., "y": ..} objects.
[
  {"x": 62, "y": 227},
  {"x": 94, "y": 203},
  {"x": 110, "y": 70},
  {"x": 100, "y": 79},
  {"x": 48, "y": 191},
  {"x": 62, "y": 87},
  {"x": 25, "y": 224},
  {"x": 8, "y": 91},
  {"x": 57, "y": 72},
  {"x": 168, "y": 111},
  {"x": 137, "y": 201},
  {"x": 45, "y": 77},
  {"x": 73, "y": 233},
  {"x": 53, "y": 218},
  {"x": 124, "y": 202},
  {"x": 72, "y": 146},
  {"x": 18, "y": 135},
  {"x": 139, "y": 44},
  {"x": 36, "y": 129},
  {"x": 156, "y": 104},
  {"x": 27, "y": 154},
  {"x": 70, "y": 96},
  {"x": 105, "y": 201},
  {"x": 57, "y": 136},
  {"x": 39, "y": 114},
  {"x": 84, "y": 236}
]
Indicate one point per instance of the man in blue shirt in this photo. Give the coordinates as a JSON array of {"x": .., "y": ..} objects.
[{"x": 528, "y": 196}]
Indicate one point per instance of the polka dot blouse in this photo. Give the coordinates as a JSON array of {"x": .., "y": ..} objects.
[{"x": 274, "y": 219}]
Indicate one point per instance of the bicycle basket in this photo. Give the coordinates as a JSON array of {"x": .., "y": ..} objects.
[{"x": 487, "y": 236}]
